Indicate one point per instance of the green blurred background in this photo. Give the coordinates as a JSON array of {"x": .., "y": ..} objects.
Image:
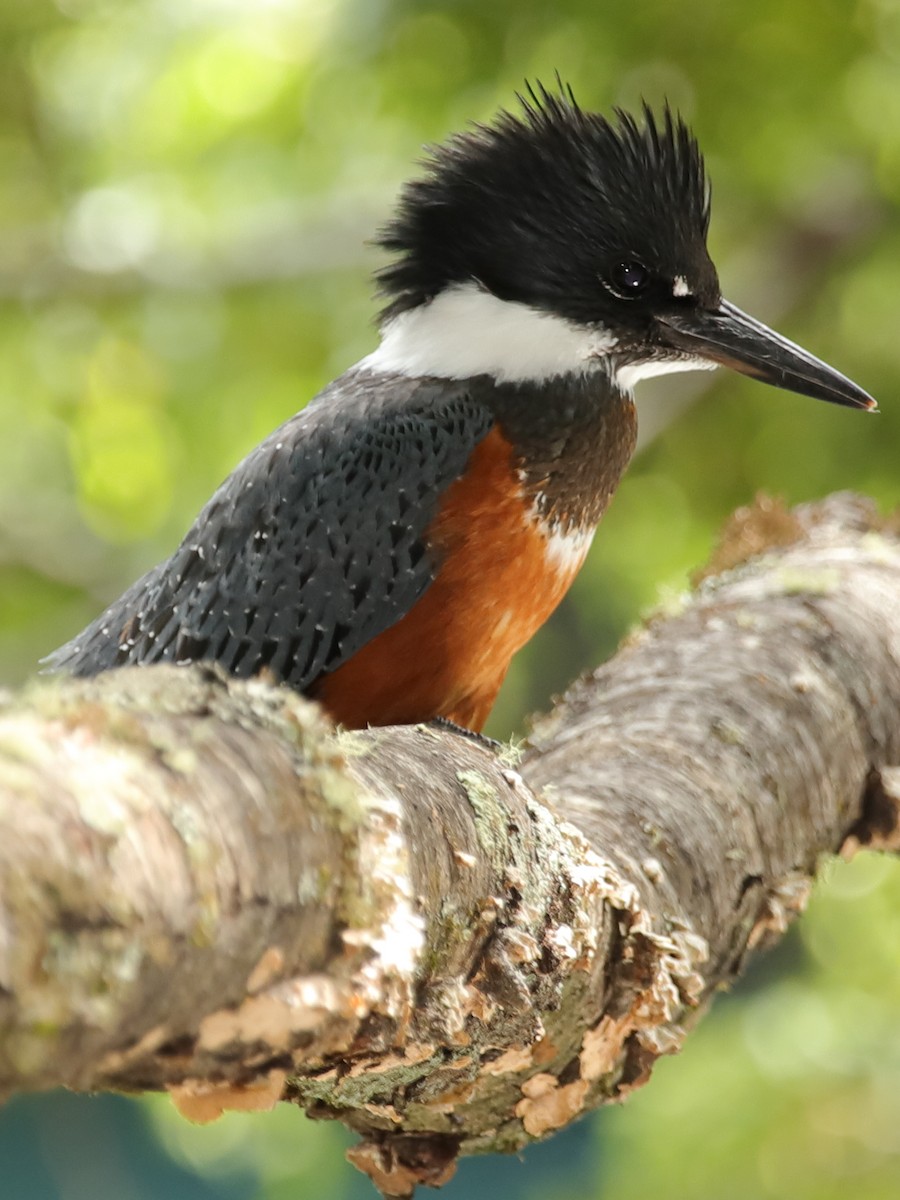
[{"x": 186, "y": 190}]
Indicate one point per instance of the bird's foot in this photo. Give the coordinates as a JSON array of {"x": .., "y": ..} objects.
[{"x": 472, "y": 734}]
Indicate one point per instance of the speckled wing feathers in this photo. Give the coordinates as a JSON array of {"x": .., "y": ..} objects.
[{"x": 313, "y": 546}]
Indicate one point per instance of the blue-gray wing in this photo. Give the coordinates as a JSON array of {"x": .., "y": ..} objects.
[{"x": 313, "y": 546}]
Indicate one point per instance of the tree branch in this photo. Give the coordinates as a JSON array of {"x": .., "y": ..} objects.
[{"x": 203, "y": 889}]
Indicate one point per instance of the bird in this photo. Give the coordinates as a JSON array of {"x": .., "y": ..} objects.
[{"x": 390, "y": 547}]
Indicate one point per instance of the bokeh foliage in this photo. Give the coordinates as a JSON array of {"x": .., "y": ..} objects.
[{"x": 186, "y": 190}]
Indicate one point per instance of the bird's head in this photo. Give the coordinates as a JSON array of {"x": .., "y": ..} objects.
[{"x": 555, "y": 240}]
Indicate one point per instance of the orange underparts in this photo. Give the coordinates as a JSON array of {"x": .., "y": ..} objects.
[{"x": 496, "y": 585}]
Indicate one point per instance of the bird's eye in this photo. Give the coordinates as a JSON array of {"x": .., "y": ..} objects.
[{"x": 629, "y": 278}]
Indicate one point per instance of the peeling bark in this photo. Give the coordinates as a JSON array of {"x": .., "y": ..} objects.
[{"x": 204, "y": 889}]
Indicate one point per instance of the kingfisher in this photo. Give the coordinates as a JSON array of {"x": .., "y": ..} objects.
[{"x": 390, "y": 547}]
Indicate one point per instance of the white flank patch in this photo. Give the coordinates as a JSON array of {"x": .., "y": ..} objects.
[
  {"x": 680, "y": 286},
  {"x": 568, "y": 550},
  {"x": 466, "y": 331},
  {"x": 626, "y": 377}
]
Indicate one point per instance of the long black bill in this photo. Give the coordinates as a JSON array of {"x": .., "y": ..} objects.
[{"x": 727, "y": 336}]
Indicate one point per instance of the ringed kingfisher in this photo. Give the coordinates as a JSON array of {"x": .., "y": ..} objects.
[{"x": 390, "y": 547}]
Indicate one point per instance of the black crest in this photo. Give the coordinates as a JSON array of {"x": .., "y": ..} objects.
[{"x": 540, "y": 206}]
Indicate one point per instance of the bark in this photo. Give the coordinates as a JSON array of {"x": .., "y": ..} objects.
[{"x": 204, "y": 889}]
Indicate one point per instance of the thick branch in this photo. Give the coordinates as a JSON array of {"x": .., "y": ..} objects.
[{"x": 202, "y": 888}]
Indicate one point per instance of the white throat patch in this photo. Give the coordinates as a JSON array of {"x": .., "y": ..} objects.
[
  {"x": 630, "y": 374},
  {"x": 466, "y": 331}
]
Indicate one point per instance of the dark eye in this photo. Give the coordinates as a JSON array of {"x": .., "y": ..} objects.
[{"x": 629, "y": 278}]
